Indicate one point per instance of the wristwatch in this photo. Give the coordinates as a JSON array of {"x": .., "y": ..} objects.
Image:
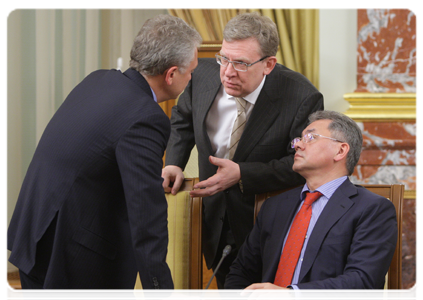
[{"x": 291, "y": 292}]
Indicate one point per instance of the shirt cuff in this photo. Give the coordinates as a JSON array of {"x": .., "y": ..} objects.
[{"x": 298, "y": 294}]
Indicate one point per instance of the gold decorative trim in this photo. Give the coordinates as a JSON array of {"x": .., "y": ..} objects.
[
  {"x": 410, "y": 194},
  {"x": 210, "y": 45},
  {"x": 381, "y": 106}
]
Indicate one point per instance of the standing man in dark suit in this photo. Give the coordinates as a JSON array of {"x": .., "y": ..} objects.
[
  {"x": 275, "y": 103},
  {"x": 351, "y": 235},
  {"x": 92, "y": 212}
]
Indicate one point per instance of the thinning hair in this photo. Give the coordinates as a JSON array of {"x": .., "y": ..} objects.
[
  {"x": 253, "y": 25},
  {"x": 163, "y": 42},
  {"x": 345, "y": 129}
]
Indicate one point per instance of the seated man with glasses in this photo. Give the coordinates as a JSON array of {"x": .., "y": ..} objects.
[
  {"x": 327, "y": 234},
  {"x": 241, "y": 112}
]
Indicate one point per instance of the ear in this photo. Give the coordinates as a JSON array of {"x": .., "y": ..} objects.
[
  {"x": 170, "y": 75},
  {"x": 270, "y": 64},
  {"x": 342, "y": 152}
]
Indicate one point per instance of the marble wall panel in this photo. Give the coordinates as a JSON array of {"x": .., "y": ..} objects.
[
  {"x": 389, "y": 154},
  {"x": 405, "y": 175},
  {"x": 400, "y": 135},
  {"x": 386, "y": 64},
  {"x": 386, "y": 52},
  {"x": 389, "y": 157}
]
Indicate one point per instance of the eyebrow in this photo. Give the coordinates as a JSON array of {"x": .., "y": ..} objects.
[
  {"x": 240, "y": 59},
  {"x": 309, "y": 130}
]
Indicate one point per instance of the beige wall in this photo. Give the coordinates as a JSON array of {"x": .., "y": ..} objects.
[{"x": 338, "y": 56}]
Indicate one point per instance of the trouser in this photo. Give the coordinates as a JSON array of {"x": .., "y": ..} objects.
[
  {"x": 226, "y": 238},
  {"x": 32, "y": 288}
]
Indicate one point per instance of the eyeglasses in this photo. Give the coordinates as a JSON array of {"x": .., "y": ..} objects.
[
  {"x": 307, "y": 138},
  {"x": 238, "y": 65}
]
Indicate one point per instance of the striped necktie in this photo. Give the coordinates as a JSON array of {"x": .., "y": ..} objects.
[{"x": 238, "y": 127}]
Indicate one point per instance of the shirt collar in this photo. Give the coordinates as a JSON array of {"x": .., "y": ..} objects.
[
  {"x": 327, "y": 189},
  {"x": 154, "y": 95}
]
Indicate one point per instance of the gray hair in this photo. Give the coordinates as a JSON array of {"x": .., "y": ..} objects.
[
  {"x": 253, "y": 25},
  {"x": 345, "y": 129},
  {"x": 163, "y": 42}
]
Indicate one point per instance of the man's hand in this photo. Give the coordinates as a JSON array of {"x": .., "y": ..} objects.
[
  {"x": 266, "y": 291},
  {"x": 176, "y": 296},
  {"x": 226, "y": 176},
  {"x": 172, "y": 174}
]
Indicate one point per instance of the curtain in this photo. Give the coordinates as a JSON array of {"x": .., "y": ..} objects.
[
  {"x": 298, "y": 32},
  {"x": 208, "y": 22},
  {"x": 48, "y": 53}
]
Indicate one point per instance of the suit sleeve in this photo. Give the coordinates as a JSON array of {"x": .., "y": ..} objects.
[
  {"x": 248, "y": 265},
  {"x": 182, "y": 138},
  {"x": 139, "y": 155},
  {"x": 371, "y": 251},
  {"x": 259, "y": 177}
]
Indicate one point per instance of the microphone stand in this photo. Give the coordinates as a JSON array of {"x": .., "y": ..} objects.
[{"x": 226, "y": 251}]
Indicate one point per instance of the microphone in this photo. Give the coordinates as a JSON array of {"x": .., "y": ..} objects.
[{"x": 226, "y": 251}]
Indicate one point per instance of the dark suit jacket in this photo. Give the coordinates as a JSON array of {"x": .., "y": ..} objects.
[
  {"x": 264, "y": 153},
  {"x": 92, "y": 204},
  {"x": 351, "y": 246}
]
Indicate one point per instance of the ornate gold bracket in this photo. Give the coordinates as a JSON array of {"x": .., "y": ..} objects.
[{"x": 380, "y": 107}]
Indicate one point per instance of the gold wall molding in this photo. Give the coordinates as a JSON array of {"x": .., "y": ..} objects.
[
  {"x": 379, "y": 107},
  {"x": 211, "y": 46},
  {"x": 410, "y": 194}
]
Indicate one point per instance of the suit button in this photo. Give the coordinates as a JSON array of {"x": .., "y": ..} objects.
[
  {"x": 155, "y": 282},
  {"x": 222, "y": 219},
  {"x": 227, "y": 191}
]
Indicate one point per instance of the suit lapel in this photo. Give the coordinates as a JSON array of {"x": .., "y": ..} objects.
[
  {"x": 205, "y": 99},
  {"x": 286, "y": 209},
  {"x": 266, "y": 109},
  {"x": 337, "y": 206}
]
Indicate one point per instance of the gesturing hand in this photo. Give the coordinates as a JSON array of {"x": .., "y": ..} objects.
[{"x": 228, "y": 174}]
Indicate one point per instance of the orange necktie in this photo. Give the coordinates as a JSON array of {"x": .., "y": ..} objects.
[{"x": 294, "y": 243}]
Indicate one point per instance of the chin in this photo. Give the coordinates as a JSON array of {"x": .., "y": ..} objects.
[
  {"x": 296, "y": 168},
  {"x": 232, "y": 92}
]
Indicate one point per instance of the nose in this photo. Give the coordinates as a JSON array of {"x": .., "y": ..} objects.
[
  {"x": 230, "y": 70},
  {"x": 299, "y": 145}
]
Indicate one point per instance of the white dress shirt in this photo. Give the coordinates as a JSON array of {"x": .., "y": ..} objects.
[{"x": 221, "y": 117}]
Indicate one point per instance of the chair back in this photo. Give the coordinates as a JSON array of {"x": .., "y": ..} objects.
[
  {"x": 394, "y": 193},
  {"x": 184, "y": 255}
]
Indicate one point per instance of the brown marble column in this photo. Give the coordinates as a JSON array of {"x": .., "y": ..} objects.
[
  {"x": 386, "y": 52},
  {"x": 384, "y": 106}
]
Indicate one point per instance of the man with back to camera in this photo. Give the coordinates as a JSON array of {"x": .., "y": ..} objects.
[
  {"x": 350, "y": 235},
  {"x": 238, "y": 156},
  {"x": 92, "y": 212}
]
